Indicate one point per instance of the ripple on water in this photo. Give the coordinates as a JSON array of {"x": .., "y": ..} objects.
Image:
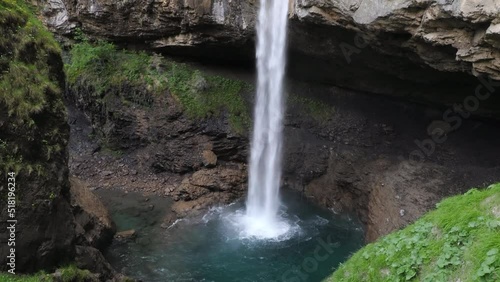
[{"x": 222, "y": 246}]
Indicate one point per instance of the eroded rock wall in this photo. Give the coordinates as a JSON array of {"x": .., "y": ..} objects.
[
  {"x": 427, "y": 51},
  {"x": 34, "y": 135}
]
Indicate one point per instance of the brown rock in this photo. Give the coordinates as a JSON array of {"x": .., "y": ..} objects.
[
  {"x": 92, "y": 259},
  {"x": 208, "y": 187},
  {"x": 209, "y": 158},
  {"x": 125, "y": 235},
  {"x": 94, "y": 224}
]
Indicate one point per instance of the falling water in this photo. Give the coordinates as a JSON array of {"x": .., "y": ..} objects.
[{"x": 265, "y": 163}]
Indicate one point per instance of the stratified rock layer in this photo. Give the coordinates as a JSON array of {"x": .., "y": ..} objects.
[
  {"x": 419, "y": 50},
  {"x": 426, "y": 50}
]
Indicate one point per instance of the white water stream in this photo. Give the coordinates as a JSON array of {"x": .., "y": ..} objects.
[{"x": 262, "y": 219}]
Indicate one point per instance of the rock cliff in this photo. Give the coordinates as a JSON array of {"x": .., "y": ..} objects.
[
  {"x": 34, "y": 158},
  {"x": 33, "y": 137},
  {"x": 425, "y": 50}
]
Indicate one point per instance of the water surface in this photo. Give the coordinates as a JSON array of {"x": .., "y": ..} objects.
[{"x": 213, "y": 248}]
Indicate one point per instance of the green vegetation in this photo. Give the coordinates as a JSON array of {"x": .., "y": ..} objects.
[
  {"x": 459, "y": 241},
  {"x": 107, "y": 70},
  {"x": 137, "y": 77},
  {"x": 66, "y": 274},
  {"x": 29, "y": 87},
  {"x": 203, "y": 96},
  {"x": 40, "y": 277},
  {"x": 318, "y": 110},
  {"x": 113, "y": 152},
  {"x": 73, "y": 273}
]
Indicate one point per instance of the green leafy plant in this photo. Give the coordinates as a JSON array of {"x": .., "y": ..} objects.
[{"x": 457, "y": 242}]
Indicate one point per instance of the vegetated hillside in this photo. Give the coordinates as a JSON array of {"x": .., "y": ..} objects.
[
  {"x": 33, "y": 138},
  {"x": 101, "y": 74},
  {"x": 67, "y": 274},
  {"x": 459, "y": 241},
  {"x": 416, "y": 50}
]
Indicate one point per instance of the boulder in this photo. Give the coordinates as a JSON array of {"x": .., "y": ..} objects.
[
  {"x": 209, "y": 158},
  {"x": 209, "y": 187},
  {"x": 126, "y": 235},
  {"x": 92, "y": 259},
  {"x": 94, "y": 224}
]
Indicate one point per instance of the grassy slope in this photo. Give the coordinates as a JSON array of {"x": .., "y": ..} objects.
[
  {"x": 29, "y": 93},
  {"x": 27, "y": 87},
  {"x": 459, "y": 241},
  {"x": 104, "y": 68},
  {"x": 67, "y": 274}
]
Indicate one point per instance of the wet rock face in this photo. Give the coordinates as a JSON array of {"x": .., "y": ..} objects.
[
  {"x": 374, "y": 157},
  {"x": 420, "y": 50}
]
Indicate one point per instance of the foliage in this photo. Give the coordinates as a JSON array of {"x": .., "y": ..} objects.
[
  {"x": 40, "y": 277},
  {"x": 458, "y": 241},
  {"x": 110, "y": 72},
  {"x": 220, "y": 94},
  {"x": 29, "y": 90},
  {"x": 74, "y": 274},
  {"x": 105, "y": 69},
  {"x": 69, "y": 273}
]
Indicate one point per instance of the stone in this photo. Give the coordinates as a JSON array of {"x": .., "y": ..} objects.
[
  {"x": 94, "y": 223},
  {"x": 209, "y": 158},
  {"x": 45, "y": 229},
  {"x": 199, "y": 83},
  {"x": 92, "y": 259},
  {"x": 208, "y": 187}
]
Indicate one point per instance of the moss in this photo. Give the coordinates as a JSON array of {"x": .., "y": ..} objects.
[
  {"x": 137, "y": 76},
  {"x": 113, "y": 152},
  {"x": 458, "y": 241},
  {"x": 69, "y": 273},
  {"x": 219, "y": 95},
  {"x": 74, "y": 274},
  {"x": 29, "y": 89},
  {"x": 40, "y": 277}
]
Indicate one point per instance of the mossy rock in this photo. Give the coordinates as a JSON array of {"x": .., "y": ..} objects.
[
  {"x": 30, "y": 90},
  {"x": 33, "y": 139},
  {"x": 103, "y": 73}
]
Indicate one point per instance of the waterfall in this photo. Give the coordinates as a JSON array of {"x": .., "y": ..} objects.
[{"x": 266, "y": 148}]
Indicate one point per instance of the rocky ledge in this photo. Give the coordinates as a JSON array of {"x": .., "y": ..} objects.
[{"x": 426, "y": 50}]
